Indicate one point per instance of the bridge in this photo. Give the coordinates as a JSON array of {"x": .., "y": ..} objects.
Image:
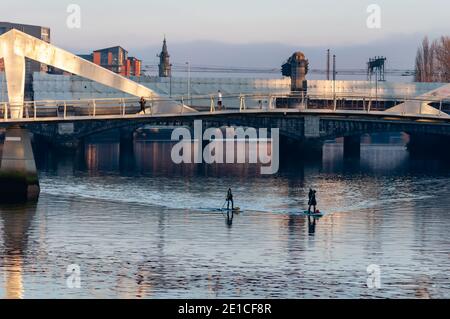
[
  {"x": 304, "y": 128},
  {"x": 305, "y": 121},
  {"x": 81, "y": 118}
]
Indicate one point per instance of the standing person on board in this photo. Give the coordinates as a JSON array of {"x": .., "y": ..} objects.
[
  {"x": 219, "y": 100},
  {"x": 312, "y": 201},
  {"x": 142, "y": 102},
  {"x": 230, "y": 199}
]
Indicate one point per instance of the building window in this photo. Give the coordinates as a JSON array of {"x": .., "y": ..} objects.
[
  {"x": 115, "y": 60},
  {"x": 104, "y": 58}
]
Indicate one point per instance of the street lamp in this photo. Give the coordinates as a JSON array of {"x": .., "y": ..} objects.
[
  {"x": 170, "y": 81},
  {"x": 189, "y": 82},
  {"x": 376, "y": 90},
  {"x": 334, "y": 82}
]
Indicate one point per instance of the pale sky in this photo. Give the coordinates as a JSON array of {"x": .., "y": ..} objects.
[
  {"x": 138, "y": 24},
  {"x": 317, "y": 22}
]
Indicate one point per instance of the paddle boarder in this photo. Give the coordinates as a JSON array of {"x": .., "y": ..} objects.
[
  {"x": 230, "y": 199},
  {"x": 312, "y": 202}
]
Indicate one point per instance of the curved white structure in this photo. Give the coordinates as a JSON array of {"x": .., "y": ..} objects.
[
  {"x": 424, "y": 107},
  {"x": 15, "y": 46}
]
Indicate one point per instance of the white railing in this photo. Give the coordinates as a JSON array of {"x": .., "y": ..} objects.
[{"x": 130, "y": 107}]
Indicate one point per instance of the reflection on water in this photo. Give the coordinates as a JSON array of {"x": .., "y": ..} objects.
[
  {"x": 142, "y": 227},
  {"x": 312, "y": 221},
  {"x": 16, "y": 221}
]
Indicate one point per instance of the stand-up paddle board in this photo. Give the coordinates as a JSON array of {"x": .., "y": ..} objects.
[
  {"x": 312, "y": 214},
  {"x": 236, "y": 210}
]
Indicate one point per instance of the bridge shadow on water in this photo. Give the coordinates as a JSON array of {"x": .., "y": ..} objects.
[{"x": 381, "y": 154}]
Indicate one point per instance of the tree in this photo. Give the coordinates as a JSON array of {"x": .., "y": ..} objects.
[
  {"x": 433, "y": 61},
  {"x": 443, "y": 59}
]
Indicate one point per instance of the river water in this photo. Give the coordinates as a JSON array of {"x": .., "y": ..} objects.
[{"x": 139, "y": 226}]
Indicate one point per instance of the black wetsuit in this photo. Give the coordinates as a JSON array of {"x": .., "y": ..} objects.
[
  {"x": 312, "y": 201},
  {"x": 142, "y": 102},
  {"x": 230, "y": 199}
]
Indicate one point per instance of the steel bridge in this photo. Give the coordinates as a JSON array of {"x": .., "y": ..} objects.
[
  {"x": 437, "y": 107},
  {"x": 67, "y": 122}
]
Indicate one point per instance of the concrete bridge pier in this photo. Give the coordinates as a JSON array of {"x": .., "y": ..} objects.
[
  {"x": 312, "y": 148},
  {"x": 304, "y": 149},
  {"x": 126, "y": 156},
  {"x": 80, "y": 154},
  {"x": 423, "y": 145},
  {"x": 19, "y": 180},
  {"x": 126, "y": 137},
  {"x": 352, "y": 146}
]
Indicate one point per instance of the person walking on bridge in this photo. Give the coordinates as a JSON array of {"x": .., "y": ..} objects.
[
  {"x": 142, "y": 103},
  {"x": 219, "y": 100}
]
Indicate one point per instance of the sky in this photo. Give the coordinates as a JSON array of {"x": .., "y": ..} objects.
[{"x": 241, "y": 32}]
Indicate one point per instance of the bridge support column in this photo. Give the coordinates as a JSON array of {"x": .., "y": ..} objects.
[
  {"x": 428, "y": 146},
  {"x": 18, "y": 174},
  {"x": 352, "y": 146},
  {"x": 126, "y": 156},
  {"x": 126, "y": 138},
  {"x": 312, "y": 148},
  {"x": 80, "y": 154},
  {"x": 305, "y": 149}
]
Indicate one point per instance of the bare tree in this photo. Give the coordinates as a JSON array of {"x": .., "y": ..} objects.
[
  {"x": 420, "y": 69},
  {"x": 443, "y": 59},
  {"x": 425, "y": 62},
  {"x": 433, "y": 61}
]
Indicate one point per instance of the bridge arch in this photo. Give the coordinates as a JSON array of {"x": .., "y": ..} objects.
[
  {"x": 15, "y": 46},
  {"x": 290, "y": 126}
]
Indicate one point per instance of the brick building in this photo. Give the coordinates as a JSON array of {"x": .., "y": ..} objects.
[{"x": 116, "y": 59}]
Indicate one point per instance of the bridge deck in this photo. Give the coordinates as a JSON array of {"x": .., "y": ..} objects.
[
  {"x": 127, "y": 109},
  {"x": 360, "y": 115}
]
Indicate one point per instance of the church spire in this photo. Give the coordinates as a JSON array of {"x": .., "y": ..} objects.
[
  {"x": 165, "y": 68},
  {"x": 164, "y": 49}
]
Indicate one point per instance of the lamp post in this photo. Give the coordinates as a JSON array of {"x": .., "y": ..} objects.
[
  {"x": 189, "y": 82},
  {"x": 328, "y": 65},
  {"x": 334, "y": 82},
  {"x": 170, "y": 81},
  {"x": 376, "y": 90}
]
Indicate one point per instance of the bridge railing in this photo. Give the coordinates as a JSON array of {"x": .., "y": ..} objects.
[{"x": 45, "y": 109}]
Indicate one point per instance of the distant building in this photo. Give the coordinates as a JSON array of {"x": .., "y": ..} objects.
[
  {"x": 115, "y": 59},
  {"x": 31, "y": 66},
  {"x": 134, "y": 66},
  {"x": 165, "y": 68},
  {"x": 296, "y": 68}
]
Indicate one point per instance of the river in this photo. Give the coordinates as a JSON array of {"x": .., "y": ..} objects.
[{"x": 139, "y": 226}]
